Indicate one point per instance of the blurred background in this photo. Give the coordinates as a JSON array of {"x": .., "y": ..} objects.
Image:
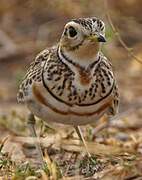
[{"x": 27, "y": 27}]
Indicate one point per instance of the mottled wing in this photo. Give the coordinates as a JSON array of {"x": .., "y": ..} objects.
[
  {"x": 113, "y": 109},
  {"x": 106, "y": 66},
  {"x": 34, "y": 74}
]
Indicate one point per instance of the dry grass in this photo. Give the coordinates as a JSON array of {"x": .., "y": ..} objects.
[
  {"x": 118, "y": 148},
  {"x": 118, "y": 152}
]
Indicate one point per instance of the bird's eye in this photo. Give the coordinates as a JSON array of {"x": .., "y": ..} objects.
[{"x": 72, "y": 32}]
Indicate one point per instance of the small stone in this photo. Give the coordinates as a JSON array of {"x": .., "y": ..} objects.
[{"x": 122, "y": 136}]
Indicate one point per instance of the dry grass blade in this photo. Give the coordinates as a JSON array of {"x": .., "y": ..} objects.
[
  {"x": 46, "y": 142},
  {"x": 44, "y": 176},
  {"x": 94, "y": 148},
  {"x": 71, "y": 145},
  {"x": 3, "y": 142},
  {"x": 74, "y": 145},
  {"x": 117, "y": 34},
  {"x": 74, "y": 178}
]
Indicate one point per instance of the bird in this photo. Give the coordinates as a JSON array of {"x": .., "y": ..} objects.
[{"x": 72, "y": 82}]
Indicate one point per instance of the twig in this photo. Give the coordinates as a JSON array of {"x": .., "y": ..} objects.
[{"x": 117, "y": 34}]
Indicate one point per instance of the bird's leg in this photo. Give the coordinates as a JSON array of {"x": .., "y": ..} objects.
[
  {"x": 103, "y": 124},
  {"x": 31, "y": 125},
  {"x": 79, "y": 133}
]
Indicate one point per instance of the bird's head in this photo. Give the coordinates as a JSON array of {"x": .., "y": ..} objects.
[{"x": 83, "y": 35}]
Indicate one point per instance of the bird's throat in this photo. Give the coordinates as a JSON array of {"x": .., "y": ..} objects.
[
  {"x": 87, "y": 51},
  {"x": 84, "y": 55}
]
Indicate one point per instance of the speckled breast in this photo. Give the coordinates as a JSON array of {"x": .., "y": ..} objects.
[{"x": 80, "y": 87}]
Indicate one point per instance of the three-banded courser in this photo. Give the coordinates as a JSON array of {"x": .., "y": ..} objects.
[{"x": 73, "y": 82}]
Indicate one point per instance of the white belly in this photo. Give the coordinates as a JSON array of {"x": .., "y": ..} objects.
[
  {"x": 54, "y": 111},
  {"x": 49, "y": 115}
]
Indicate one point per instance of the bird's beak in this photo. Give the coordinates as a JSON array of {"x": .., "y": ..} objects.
[
  {"x": 101, "y": 38},
  {"x": 97, "y": 38}
]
